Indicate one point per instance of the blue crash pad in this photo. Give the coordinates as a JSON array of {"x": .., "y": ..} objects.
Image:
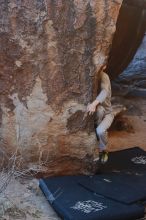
[
  {"x": 73, "y": 202},
  {"x": 129, "y": 160},
  {"x": 121, "y": 187}
]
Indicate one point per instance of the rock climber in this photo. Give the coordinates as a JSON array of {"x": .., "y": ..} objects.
[{"x": 103, "y": 109}]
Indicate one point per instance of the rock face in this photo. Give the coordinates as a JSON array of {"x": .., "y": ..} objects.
[
  {"x": 50, "y": 55},
  {"x": 134, "y": 76},
  {"x": 137, "y": 67}
]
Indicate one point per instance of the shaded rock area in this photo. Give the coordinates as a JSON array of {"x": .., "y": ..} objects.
[
  {"x": 133, "y": 79},
  {"x": 50, "y": 56}
]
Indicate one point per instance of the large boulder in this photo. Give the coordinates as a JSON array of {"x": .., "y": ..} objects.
[
  {"x": 50, "y": 56},
  {"x": 132, "y": 81},
  {"x": 136, "y": 71}
]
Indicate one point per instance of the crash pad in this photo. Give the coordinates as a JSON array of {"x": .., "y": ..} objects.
[{"x": 73, "y": 202}]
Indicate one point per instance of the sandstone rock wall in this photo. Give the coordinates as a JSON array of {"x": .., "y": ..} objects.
[{"x": 50, "y": 55}]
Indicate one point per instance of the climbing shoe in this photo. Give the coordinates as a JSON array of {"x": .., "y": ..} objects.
[{"x": 103, "y": 157}]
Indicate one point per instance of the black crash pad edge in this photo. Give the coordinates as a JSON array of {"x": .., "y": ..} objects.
[{"x": 49, "y": 196}]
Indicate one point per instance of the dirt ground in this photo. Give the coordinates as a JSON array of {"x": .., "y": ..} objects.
[
  {"x": 23, "y": 199},
  {"x": 136, "y": 117}
]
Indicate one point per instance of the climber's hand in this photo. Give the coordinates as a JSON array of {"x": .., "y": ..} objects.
[{"x": 91, "y": 108}]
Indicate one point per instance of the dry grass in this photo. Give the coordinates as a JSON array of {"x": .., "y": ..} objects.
[{"x": 12, "y": 170}]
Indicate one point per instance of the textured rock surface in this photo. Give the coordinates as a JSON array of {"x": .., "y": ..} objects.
[
  {"x": 136, "y": 70},
  {"x": 134, "y": 77},
  {"x": 50, "y": 55},
  {"x": 24, "y": 200}
]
